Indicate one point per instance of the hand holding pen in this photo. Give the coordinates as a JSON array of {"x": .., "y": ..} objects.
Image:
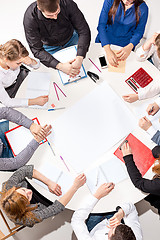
[{"x": 152, "y": 109}]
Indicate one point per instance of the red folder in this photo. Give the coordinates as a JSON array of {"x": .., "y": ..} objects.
[
  {"x": 142, "y": 155},
  {"x": 6, "y": 134}
]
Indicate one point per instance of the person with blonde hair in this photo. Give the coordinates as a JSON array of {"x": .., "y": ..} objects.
[
  {"x": 145, "y": 185},
  {"x": 12, "y": 55},
  {"x": 149, "y": 50},
  {"x": 25, "y": 206}
]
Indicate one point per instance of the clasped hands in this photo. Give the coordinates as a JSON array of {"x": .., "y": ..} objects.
[{"x": 72, "y": 68}]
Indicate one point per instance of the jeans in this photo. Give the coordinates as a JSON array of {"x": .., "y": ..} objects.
[
  {"x": 7, "y": 152},
  {"x": 95, "y": 218},
  {"x": 53, "y": 49}
]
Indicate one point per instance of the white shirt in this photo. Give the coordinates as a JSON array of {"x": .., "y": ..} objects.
[
  {"x": 7, "y": 78},
  {"x": 99, "y": 232},
  {"x": 144, "y": 55}
]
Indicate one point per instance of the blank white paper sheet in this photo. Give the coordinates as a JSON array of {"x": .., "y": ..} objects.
[
  {"x": 91, "y": 127},
  {"x": 38, "y": 85}
]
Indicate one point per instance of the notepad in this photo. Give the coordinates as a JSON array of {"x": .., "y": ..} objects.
[
  {"x": 19, "y": 137},
  {"x": 110, "y": 171},
  {"x": 38, "y": 85},
  {"x": 66, "y": 55},
  {"x": 64, "y": 179},
  {"x": 142, "y": 155}
]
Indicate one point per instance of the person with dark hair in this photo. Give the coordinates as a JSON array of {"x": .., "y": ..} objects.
[
  {"x": 120, "y": 224},
  {"x": 51, "y": 25},
  {"x": 146, "y": 185},
  {"x": 122, "y": 23},
  {"x": 26, "y": 206},
  {"x": 7, "y": 160}
]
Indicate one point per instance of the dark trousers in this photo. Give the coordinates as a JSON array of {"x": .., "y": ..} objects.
[
  {"x": 12, "y": 90},
  {"x": 37, "y": 197}
]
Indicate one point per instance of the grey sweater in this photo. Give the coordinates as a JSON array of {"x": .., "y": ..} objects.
[
  {"x": 41, "y": 212},
  {"x": 24, "y": 156}
]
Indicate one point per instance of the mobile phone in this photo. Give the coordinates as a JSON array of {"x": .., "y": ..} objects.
[{"x": 103, "y": 61}]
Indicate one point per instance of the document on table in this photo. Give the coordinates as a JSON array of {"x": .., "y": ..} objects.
[
  {"x": 64, "y": 179},
  {"x": 110, "y": 171},
  {"x": 91, "y": 127},
  {"x": 38, "y": 85},
  {"x": 66, "y": 55}
]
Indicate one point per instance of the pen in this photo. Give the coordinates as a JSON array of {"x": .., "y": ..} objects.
[
  {"x": 151, "y": 110},
  {"x": 56, "y": 91},
  {"x": 94, "y": 64},
  {"x": 59, "y": 88},
  {"x": 53, "y": 109},
  {"x": 65, "y": 163},
  {"x": 51, "y": 148}
]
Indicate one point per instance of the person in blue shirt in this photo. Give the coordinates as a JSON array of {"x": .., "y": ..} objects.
[{"x": 122, "y": 23}]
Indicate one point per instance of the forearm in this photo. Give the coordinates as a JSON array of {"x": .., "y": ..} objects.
[
  {"x": 21, "y": 159},
  {"x": 68, "y": 196},
  {"x": 37, "y": 175},
  {"x": 15, "y": 116}
]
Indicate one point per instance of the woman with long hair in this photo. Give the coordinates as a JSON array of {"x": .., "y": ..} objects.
[
  {"x": 24, "y": 205},
  {"x": 122, "y": 23}
]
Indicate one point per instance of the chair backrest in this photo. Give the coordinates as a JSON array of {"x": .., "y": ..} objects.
[{"x": 12, "y": 231}]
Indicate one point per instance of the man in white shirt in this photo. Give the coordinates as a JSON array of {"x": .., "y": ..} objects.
[{"x": 107, "y": 229}]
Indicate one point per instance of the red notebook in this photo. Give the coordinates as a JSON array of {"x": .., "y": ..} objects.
[
  {"x": 142, "y": 155},
  {"x": 139, "y": 79}
]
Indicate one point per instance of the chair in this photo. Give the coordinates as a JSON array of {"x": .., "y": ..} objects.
[{"x": 12, "y": 231}]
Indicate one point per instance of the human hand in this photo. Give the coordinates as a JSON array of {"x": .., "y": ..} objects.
[
  {"x": 153, "y": 38},
  {"x": 43, "y": 133},
  {"x": 40, "y": 100},
  {"x": 130, "y": 97},
  {"x": 144, "y": 123},
  {"x": 68, "y": 68},
  {"x": 111, "y": 56},
  {"x": 124, "y": 52},
  {"x": 116, "y": 219},
  {"x": 29, "y": 61},
  {"x": 77, "y": 63},
  {"x": 79, "y": 181},
  {"x": 54, "y": 188},
  {"x": 152, "y": 109},
  {"x": 104, "y": 190},
  {"x": 126, "y": 149}
]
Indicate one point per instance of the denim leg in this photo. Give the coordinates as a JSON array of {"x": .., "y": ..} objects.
[
  {"x": 94, "y": 219},
  {"x": 53, "y": 49},
  {"x": 7, "y": 152}
]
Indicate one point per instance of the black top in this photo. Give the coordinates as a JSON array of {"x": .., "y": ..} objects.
[
  {"x": 145, "y": 185},
  {"x": 41, "y": 31}
]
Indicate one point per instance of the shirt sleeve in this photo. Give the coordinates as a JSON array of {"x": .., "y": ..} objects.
[
  {"x": 131, "y": 219},
  {"x": 151, "y": 131},
  {"x": 19, "y": 176},
  {"x": 145, "y": 185},
  {"x": 11, "y": 102},
  {"x": 21, "y": 159},
  {"x": 149, "y": 91},
  {"x": 102, "y": 25},
  {"x": 80, "y": 25},
  {"x": 34, "y": 40},
  {"x": 15, "y": 116},
  {"x": 144, "y": 55},
  {"x": 36, "y": 66},
  {"x": 79, "y": 217},
  {"x": 139, "y": 30}
]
